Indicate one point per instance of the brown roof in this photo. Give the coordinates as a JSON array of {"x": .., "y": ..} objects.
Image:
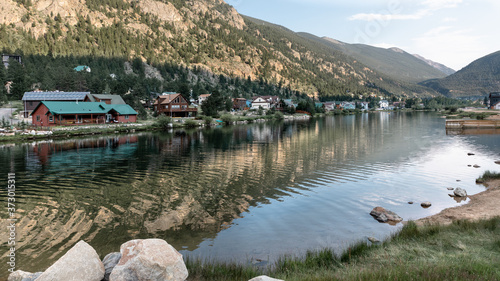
[{"x": 166, "y": 99}]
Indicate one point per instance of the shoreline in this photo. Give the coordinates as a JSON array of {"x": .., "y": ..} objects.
[{"x": 482, "y": 206}]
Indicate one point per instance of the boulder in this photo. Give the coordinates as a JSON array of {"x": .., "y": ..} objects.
[
  {"x": 411, "y": 202},
  {"x": 459, "y": 192},
  {"x": 383, "y": 215},
  {"x": 80, "y": 263},
  {"x": 471, "y": 154},
  {"x": 426, "y": 204},
  {"x": 264, "y": 278},
  {"x": 109, "y": 262},
  {"x": 497, "y": 162},
  {"x": 20, "y": 275},
  {"x": 373, "y": 240},
  {"x": 149, "y": 259},
  {"x": 476, "y": 166}
]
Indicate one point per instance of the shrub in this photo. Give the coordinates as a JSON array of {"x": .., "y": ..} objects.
[
  {"x": 163, "y": 121},
  {"x": 227, "y": 119},
  {"x": 279, "y": 115},
  {"x": 190, "y": 123}
]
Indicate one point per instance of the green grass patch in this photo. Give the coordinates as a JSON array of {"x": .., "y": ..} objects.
[
  {"x": 487, "y": 176},
  {"x": 461, "y": 251}
]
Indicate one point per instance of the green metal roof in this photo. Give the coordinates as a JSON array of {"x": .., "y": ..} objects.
[
  {"x": 122, "y": 109},
  {"x": 65, "y": 107}
]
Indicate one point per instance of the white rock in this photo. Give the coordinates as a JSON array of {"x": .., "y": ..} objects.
[
  {"x": 151, "y": 260},
  {"x": 80, "y": 263},
  {"x": 460, "y": 192},
  {"x": 264, "y": 278},
  {"x": 20, "y": 275}
]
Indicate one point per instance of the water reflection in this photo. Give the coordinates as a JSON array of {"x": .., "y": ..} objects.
[{"x": 236, "y": 192}]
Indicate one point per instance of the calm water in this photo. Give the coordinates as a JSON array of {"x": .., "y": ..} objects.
[{"x": 241, "y": 193}]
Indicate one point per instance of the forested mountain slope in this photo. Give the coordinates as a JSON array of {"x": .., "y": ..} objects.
[
  {"x": 478, "y": 79},
  {"x": 199, "y": 45}
]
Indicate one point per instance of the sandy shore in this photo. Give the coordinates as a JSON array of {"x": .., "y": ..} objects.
[{"x": 484, "y": 205}]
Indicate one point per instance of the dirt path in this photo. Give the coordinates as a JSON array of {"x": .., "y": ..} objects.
[{"x": 483, "y": 205}]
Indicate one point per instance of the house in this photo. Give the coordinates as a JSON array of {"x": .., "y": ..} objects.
[
  {"x": 6, "y": 58},
  {"x": 289, "y": 103},
  {"x": 107, "y": 99},
  {"x": 239, "y": 103},
  {"x": 32, "y": 99},
  {"x": 330, "y": 106},
  {"x": 365, "y": 105},
  {"x": 266, "y": 102},
  {"x": 203, "y": 98},
  {"x": 348, "y": 105},
  {"x": 383, "y": 104},
  {"x": 54, "y": 113},
  {"x": 174, "y": 105},
  {"x": 81, "y": 68},
  {"x": 495, "y": 100}
]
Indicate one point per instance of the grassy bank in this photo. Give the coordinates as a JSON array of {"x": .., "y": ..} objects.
[
  {"x": 460, "y": 251},
  {"x": 488, "y": 176}
]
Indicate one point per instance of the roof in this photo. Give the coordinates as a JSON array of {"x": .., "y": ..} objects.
[
  {"x": 55, "y": 96},
  {"x": 122, "y": 109},
  {"x": 68, "y": 107},
  {"x": 81, "y": 68},
  {"x": 166, "y": 99},
  {"x": 204, "y": 96},
  {"x": 115, "y": 99}
]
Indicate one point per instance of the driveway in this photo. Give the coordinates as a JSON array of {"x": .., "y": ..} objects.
[{"x": 6, "y": 113}]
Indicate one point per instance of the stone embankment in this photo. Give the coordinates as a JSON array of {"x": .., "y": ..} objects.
[{"x": 138, "y": 260}]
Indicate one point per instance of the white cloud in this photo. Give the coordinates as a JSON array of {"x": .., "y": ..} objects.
[
  {"x": 429, "y": 7},
  {"x": 442, "y": 44}
]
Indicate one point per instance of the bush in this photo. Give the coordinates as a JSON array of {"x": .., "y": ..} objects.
[
  {"x": 190, "y": 123},
  {"x": 227, "y": 119},
  {"x": 163, "y": 121},
  {"x": 279, "y": 115},
  {"x": 208, "y": 120}
]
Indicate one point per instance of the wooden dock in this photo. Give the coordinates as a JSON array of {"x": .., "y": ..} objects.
[{"x": 461, "y": 124}]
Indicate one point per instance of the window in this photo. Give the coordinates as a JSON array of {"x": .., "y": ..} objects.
[
  {"x": 176, "y": 106},
  {"x": 38, "y": 118},
  {"x": 51, "y": 118},
  {"x": 126, "y": 116}
]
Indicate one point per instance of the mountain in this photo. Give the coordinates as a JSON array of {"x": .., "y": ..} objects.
[
  {"x": 393, "y": 62},
  {"x": 202, "y": 44},
  {"x": 478, "y": 79},
  {"x": 441, "y": 67}
]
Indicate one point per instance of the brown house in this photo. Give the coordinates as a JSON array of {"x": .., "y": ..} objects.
[
  {"x": 239, "y": 103},
  {"x": 174, "y": 105}
]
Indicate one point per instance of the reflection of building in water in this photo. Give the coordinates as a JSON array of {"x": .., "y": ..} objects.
[{"x": 47, "y": 152}]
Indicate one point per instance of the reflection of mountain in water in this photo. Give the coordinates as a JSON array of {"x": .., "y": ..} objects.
[{"x": 183, "y": 187}]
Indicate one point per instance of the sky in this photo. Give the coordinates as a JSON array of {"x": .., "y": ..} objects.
[{"x": 451, "y": 32}]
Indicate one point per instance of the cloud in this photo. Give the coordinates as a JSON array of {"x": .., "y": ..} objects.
[
  {"x": 443, "y": 43},
  {"x": 429, "y": 7}
]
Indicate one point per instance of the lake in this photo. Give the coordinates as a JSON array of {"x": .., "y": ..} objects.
[{"x": 248, "y": 193}]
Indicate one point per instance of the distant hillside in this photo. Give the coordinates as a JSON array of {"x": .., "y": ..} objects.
[
  {"x": 203, "y": 43},
  {"x": 393, "y": 62},
  {"x": 478, "y": 79},
  {"x": 441, "y": 67}
]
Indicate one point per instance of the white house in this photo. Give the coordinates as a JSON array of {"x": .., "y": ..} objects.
[
  {"x": 203, "y": 98},
  {"x": 261, "y": 102},
  {"x": 383, "y": 104}
]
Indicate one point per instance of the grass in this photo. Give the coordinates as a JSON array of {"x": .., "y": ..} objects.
[
  {"x": 460, "y": 251},
  {"x": 487, "y": 176}
]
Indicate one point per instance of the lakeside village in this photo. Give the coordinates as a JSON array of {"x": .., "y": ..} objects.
[{"x": 42, "y": 112}]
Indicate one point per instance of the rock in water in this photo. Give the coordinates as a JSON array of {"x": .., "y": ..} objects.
[
  {"x": 149, "y": 260},
  {"x": 373, "y": 240},
  {"x": 264, "y": 278},
  {"x": 80, "y": 263},
  {"x": 20, "y": 275},
  {"x": 471, "y": 154},
  {"x": 110, "y": 261},
  {"x": 383, "y": 215},
  {"x": 426, "y": 204},
  {"x": 459, "y": 192}
]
